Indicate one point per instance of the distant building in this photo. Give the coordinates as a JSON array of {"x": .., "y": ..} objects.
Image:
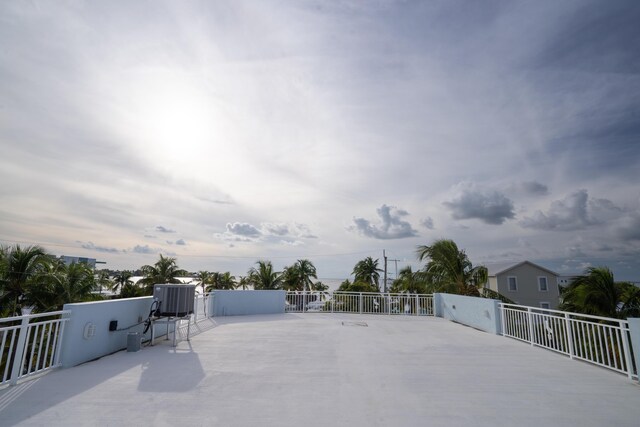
[
  {"x": 525, "y": 283},
  {"x": 91, "y": 262}
]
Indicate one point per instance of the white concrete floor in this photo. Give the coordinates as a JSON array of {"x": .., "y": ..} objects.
[{"x": 311, "y": 370}]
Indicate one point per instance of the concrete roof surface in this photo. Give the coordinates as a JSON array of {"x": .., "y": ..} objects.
[{"x": 328, "y": 369}]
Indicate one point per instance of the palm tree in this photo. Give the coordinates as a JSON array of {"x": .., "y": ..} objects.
[
  {"x": 18, "y": 266},
  {"x": 298, "y": 276},
  {"x": 242, "y": 283},
  {"x": 103, "y": 280},
  {"x": 165, "y": 270},
  {"x": 367, "y": 271},
  {"x": 203, "y": 278},
  {"x": 226, "y": 281},
  {"x": 597, "y": 293},
  {"x": 449, "y": 269},
  {"x": 121, "y": 280},
  {"x": 60, "y": 284},
  {"x": 263, "y": 277},
  {"x": 409, "y": 281}
]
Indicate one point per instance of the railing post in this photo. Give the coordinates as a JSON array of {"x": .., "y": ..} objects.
[
  {"x": 567, "y": 323},
  {"x": 333, "y": 300},
  {"x": 530, "y": 320},
  {"x": 304, "y": 301},
  {"x": 417, "y": 305},
  {"x": 58, "y": 350},
  {"x": 20, "y": 347},
  {"x": 502, "y": 317},
  {"x": 625, "y": 347},
  {"x": 360, "y": 303}
]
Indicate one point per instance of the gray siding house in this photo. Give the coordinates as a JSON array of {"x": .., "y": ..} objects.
[{"x": 525, "y": 283}]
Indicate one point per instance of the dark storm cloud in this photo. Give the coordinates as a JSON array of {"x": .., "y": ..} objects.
[
  {"x": 473, "y": 203},
  {"x": 392, "y": 225}
]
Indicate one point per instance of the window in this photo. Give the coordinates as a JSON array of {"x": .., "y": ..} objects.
[
  {"x": 545, "y": 305},
  {"x": 542, "y": 284},
  {"x": 513, "y": 283}
]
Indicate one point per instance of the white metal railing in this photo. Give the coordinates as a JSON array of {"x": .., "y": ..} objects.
[
  {"x": 200, "y": 306},
  {"x": 30, "y": 344},
  {"x": 599, "y": 340},
  {"x": 360, "y": 302}
]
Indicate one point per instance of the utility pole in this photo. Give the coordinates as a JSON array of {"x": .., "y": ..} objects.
[{"x": 384, "y": 254}]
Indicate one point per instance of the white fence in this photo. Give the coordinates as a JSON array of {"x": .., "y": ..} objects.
[
  {"x": 30, "y": 345},
  {"x": 599, "y": 340},
  {"x": 360, "y": 302}
]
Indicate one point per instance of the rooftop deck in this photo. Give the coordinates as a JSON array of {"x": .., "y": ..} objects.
[{"x": 328, "y": 369}]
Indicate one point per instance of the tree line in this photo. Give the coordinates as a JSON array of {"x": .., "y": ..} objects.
[{"x": 31, "y": 277}]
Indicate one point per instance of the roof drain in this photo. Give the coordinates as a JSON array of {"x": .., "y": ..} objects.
[{"x": 354, "y": 324}]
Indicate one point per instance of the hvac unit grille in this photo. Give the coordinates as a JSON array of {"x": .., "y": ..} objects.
[{"x": 174, "y": 300}]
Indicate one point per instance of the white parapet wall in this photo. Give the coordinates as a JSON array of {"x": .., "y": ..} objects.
[
  {"x": 86, "y": 334},
  {"x": 479, "y": 313},
  {"x": 243, "y": 303}
]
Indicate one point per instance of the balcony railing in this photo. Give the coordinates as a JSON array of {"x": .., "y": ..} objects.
[
  {"x": 30, "y": 344},
  {"x": 599, "y": 340},
  {"x": 360, "y": 302}
]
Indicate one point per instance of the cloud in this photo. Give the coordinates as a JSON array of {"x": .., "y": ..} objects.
[
  {"x": 392, "y": 226},
  {"x": 630, "y": 230},
  {"x": 181, "y": 242},
  {"x": 491, "y": 207},
  {"x": 574, "y": 212},
  {"x": 243, "y": 229},
  {"x": 534, "y": 188},
  {"x": 150, "y": 236},
  {"x": 91, "y": 246},
  {"x": 427, "y": 223},
  {"x": 278, "y": 233},
  {"x": 277, "y": 229},
  {"x": 146, "y": 249},
  {"x": 162, "y": 229}
]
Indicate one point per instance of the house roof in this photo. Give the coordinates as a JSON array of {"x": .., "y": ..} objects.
[{"x": 499, "y": 268}]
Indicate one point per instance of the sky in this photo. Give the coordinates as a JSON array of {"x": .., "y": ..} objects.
[{"x": 224, "y": 132}]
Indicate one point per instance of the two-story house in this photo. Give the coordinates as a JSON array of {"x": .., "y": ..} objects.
[{"x": 525, "y": 283}]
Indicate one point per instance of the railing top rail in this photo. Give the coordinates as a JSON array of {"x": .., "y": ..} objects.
[
  {"x": 357, "y": 293},
  {"x": 34, "y": 316},
  {"x": 548, "y": 310}
]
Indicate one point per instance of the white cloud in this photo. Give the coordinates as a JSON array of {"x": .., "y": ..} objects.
[{"x": 391, "y": 225}]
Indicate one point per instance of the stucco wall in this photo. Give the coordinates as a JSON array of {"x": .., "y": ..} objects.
[
  {"x": 242, "y": 303},
  {"x": 479, "y": 313},
  {"x": 128, "y": 311},
  {"x": 527, "y": 281}
]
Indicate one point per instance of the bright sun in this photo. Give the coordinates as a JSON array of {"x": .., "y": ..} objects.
[{"x": 173, "y": 121}]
